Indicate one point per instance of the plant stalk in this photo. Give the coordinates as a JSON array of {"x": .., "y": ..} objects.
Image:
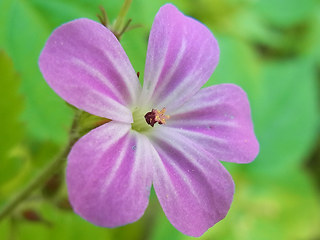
[
  {"x": 119, "y": 23},
  {"x": 46, "y": 173}
]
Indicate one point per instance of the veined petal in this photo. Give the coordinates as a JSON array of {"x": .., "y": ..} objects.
[
  {"x": 84, "y": 63},
  {"x": 194, "y": 190},
  {"x": 182, "y": 54},
  {"x": 218, "y": 118},
  {"x": 109, "y": 175}
]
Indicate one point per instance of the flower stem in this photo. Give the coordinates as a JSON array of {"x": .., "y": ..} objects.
[{"x": 46, "y": 173}]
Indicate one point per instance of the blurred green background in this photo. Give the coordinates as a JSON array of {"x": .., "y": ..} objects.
[{"x": 268, "y": 47}]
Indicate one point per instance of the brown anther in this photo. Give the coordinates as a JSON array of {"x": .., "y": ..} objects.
[{"x": 156, "y": 116}]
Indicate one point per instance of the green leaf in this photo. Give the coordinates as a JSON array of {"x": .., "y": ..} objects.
[
  {"x": 65, "y": 225},
  {"x": 60, "y": 225},
  {"x": 313, "y": 37},
  {"x": 162, "y": 228},
  {"x": 46, "y": 114},
  {"x": 247, "y": 24},
  {"x": 238, "y": 64},
  {"x": 10, "y": 106},
  {"x": 11, "y": 127},
  {"x": 285, "y": 13},
  {"x": 286, "y": 115},
  {"x": 271, "y": 208}
]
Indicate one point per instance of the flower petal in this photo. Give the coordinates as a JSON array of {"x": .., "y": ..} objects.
[
  {"x": 194, "y": 190},
  {"x": 85, "y": 64},
  {"x": 182, "y": 54},
  {"x": 109, "y": 175},
  {"x": 218, "y": 118}
]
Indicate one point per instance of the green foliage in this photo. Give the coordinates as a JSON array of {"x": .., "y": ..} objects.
[
  {"x": 10, "y": 127},
  {"x": 286, "y": 12},
  {"x": 11, "y": 107},
  {"x": 239, "y": 65},
  {"x": 268, "y": 47},
  {"x": 57, "y": 225},
  {"x": 275, "y": 208},
  {"x": 286, "y": 115},
  {"x": 25, "y": 32}
]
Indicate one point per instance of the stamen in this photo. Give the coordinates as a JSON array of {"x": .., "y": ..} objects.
[{"x": 156, "y": 116}]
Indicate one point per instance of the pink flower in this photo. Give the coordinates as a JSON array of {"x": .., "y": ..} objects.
[{"x": 111, "y": 169}]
